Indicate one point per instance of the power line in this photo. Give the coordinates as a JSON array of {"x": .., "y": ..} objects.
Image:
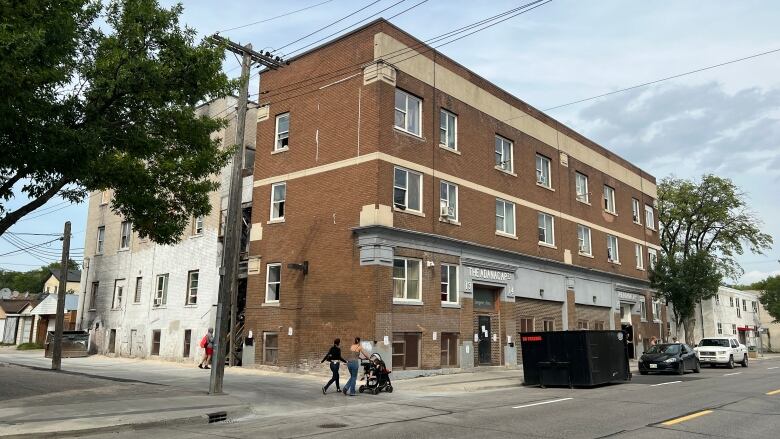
[
  {"x": 27, "y": 248},
  {"x": 274, "y": 18}
]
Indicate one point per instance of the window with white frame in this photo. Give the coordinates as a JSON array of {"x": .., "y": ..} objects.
[
  {"x": 744, "y": 305},
  {"x": 546, "y": 229},
  {"x": 449, "y": 283},
  {"x": 581, "y": 187},
  {"x": 448, "y": 200},
  {"x": 282, "y": 132},
  {"x": 649, "y": 217},
  {"x": 734, "y": 329},
  {"x": 406, "y": 279},
  {"x": 642, "y": 309},
  {"x": 720, "y": 328},
  {"x": 105, "y": 197},
  {"x": 278, "y": 200},
  {"x": 273, "y": 282},
  {"x": 408, "y": 110},
  {"x": 124, "y": 235},
  {"x": 192, "y": 287},
  {"x": 635, "y": 214},
  {"x": 197, "y": 225},
  {"x": 612, "y": 249},
  {"x": 101, "y": 237},
  {"x": 652, "y": 256},
  {"x": 504, "y": 154},
  {"x": 583, "y": 240},
  {"x": 407, "y": 190},
  {"x": 609, "y": 199},
  {"x": 543, "y": 171},
  {"x": 119, "y": 293},
  {"x": 505, "y": 217},
  {"x": 656, "y": 310},
  {"x": 161, "y": 290},
  {"x": 639, "y": 256},
  {"x": 755, "y": 306},
  {"x": 448, "y": 130}
]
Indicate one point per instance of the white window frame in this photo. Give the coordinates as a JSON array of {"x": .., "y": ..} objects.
[
  {"x": 652, "y": 257},
  {"x": 581, "y": 232},
  {"x": 639, "y": 256},
  {"x": 281, "y": 136},
  {"x": 720, "y": 328},
  {"x": 504, "y": 215},
  {"x": 281, "y": 202},
  {"x": 504, "y": 147},
  {"x": 448, "y": 124},
  {"x": 446, "y": 199},
  {"x": 197, "y": 225},
  {"x": 581, "y": 193},
  {"x": 609, "y": 200},
  {"x": 549, "y": 235},
  {"x": 656, "y": 310},
  {"x": 119, "y": 293},
  {"x": 543, "y": 171},
  {"x": 649, "y": 217},
  {"x": 396, "y": 186},
  {"x": 643, "y": 310},
  {"x": 635, "y": 213},
  {"x": 192, "y": 291},
  {"x": 268, "y": 283},
  {"x": 408, "y": 97},
  {"x": 138, "y": 289},
  {"x": 161, "y": 293},
  {"x": 101, "y": 240},
  {"x": 754, "y": 305},
  {"x": 615, "y": 259},
  {"x": 405, "y": 280},
  {"x": 125, "y": 233},
  {"x": 451, "y": 283},
  {"x": 733, "y": 329}
]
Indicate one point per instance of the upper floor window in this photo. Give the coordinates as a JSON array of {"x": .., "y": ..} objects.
[
  {"x": 652, "y": 256},
  {"x": 720, "y": 328},
  {"x": 755, "y": 306},
  {"x": 543, "y": 171},
  {"x": 609, "y": 199},
  {"x": 734, "y": 329},
  {"x": 656, "y": 310},
  {"x": 161, "y": 290},
  {"x": 504, "y": 154},
  {"x": 125, "y": 233},
  {"x": 505, "y": 217},
  {"x": 639, "y": 256},
  {"x": 649, "y": 217},
  {"x": 408, "y": 110},
  {"x": 731, "y": 302},
  {"x": 407, "y": 190},
  {"x": 744, "y": 305},
  {"x": 449, "y": 283},
  {"x": 93, "y": 293},
  {"x": 583, "y": 240},
  {"x": 119, "y": 293},
  {"x": 197, "y": 225},
  {"x": 635, "y": 211},
  {"x": 643, "y": 309},
  {"x": 612, "y": 249},
  {"x": 101, "y": 237},
  {"x": 546, "y": 230},
  {"x": 273, "y": 282},
  {"x": 406, "y": 279},
  {"x": 282, "y": 132},
  {"x": 448, "y": 200},
  {"x": 581, "y": 187},
  {"x": 105, "y": 197},
  {"x": 192, "y": 287},
  {"x": 739, "y": 313},
  {"x": 278, "y": 200},
  {"x": 448, "y": 130},
  {"x": 717, "y": 299}
]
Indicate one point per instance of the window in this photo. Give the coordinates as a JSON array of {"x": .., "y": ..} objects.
[
  {"x": 504, "y": 154},
  {"x": 222, "y": 219},
  {"x": 583, "y": 240},
  {"x": 282, "y": 132},
  {"x": 93, "y": 292},
  {"x": 138, "y": 289},
  {"x": 407, "y": 190},
  {"x": 270, "y": 348},
  {"x": 717, "y": 299},
  {"x": 526, "y": 324},
  {"x": 652, "y": 255},
  {"x": 582, "y": 324},
  {"x": 649, "y": 217},
  {"x": 449, "y": 283},
  {"x": 161, "y": 290},
  {"x": 449, "y": 349},
  {"x": 656, "y": 310},
  {"x": 101, "y": 236},
  {"x": 543, "y": 171},
  {"x": 156, "y": 336},
  {"x": 546, "y": 230},
  {"x": 408, "y": 110},
  {"x": 448, "y": 130},
  {"x": 612, "y": 249},
  {"x": 755, "y": 306},
  {"x": 609, "y": 199},
  {"x": 197, "y": 225},
  {"x": 112, "y": 341},
  {"x": 278, "y": 197},
  {"x": 406, "y": 350},
  {"x": 187, "y": 342},
  {"x": 734, "y": 329},
  {"x": 643, "y": 309},
  {"x": 192, "y": 287},
  {"x": 739, "y": 312},
  {"x": 720, "y": 328},
  {"x": 119, "y": 291},
  {"x": 124, "y": 240},
  {"x": 548, "y": 325},
  {"x": 744, "y": 305},
  {"x": 406, "y": 279},
  {"x": 581, "y": 187},
  {"x": 635, "y": 211},
  {"x": 448, "y": 200},
  {"x": 731, "y": 302},
  {"x": 598, "y": 325},
  {"x": 273, "y": 283},
  {"x": 105, "y": 196},
  {"x": 505, "y": 217},
  {"x": 639, "y": 256}
]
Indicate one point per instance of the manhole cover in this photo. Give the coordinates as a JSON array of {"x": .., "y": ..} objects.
[{"x": 333, "y": 425}]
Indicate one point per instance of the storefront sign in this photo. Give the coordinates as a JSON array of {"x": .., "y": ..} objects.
[
  {"x": 485, "y": 273},
  {"x": 629, "y": 296}
]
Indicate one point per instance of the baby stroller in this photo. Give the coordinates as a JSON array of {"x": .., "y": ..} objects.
[{"x": 377, "y": 376}]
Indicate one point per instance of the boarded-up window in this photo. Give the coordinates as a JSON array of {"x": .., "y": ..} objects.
[
  {"x": 406, "y": 350},
  {"x": 187, "y": 342},
  {"x": 270, "y": 348},
  {"x": 449, "y": 349},
  {"x": 526, "y": 324}
]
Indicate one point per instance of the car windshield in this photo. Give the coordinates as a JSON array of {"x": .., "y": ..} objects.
[
  {"x": 719, "y": 342},
  {"x": 664, "y": 349}
]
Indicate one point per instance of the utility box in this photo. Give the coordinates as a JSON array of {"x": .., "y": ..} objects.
[{"x": 574, "y": 358}]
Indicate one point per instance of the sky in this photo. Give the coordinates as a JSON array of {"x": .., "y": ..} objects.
[{"x": 724, "y": 121}]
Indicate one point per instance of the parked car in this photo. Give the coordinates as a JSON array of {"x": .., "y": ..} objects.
[
  {"x": 722, "y": 350},
  {"x": 669, "y": 357}
]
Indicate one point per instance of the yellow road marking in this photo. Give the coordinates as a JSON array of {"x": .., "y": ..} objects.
[
  {"x": 687, "y": 418},
  {"x": 774, "y": 392}
]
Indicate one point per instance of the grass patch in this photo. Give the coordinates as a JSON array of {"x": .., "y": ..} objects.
[{"x": 29, "y": 346}]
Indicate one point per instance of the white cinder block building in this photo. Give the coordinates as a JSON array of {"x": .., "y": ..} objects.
[{"x": 730, "y": 312}]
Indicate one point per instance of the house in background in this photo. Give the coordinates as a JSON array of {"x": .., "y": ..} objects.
[
  {"x": 17, "y": 321},
  {"x": 52, "y": 284},
  {"x": 729, "y": 312},
  {"x": 46, "y": 313}
]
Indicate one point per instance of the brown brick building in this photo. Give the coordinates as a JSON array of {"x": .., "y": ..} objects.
[{"x": 436, "y": 213}]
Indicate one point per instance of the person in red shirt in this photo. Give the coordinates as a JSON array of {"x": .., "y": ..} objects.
[{"x": 207, "y": 343}]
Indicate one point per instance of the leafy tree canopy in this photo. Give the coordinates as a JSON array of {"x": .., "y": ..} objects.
[
  {"x": 770, "y": 297},
  {"x": 98, "y": 98}
]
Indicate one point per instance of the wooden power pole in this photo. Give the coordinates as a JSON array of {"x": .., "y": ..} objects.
[
  {"x": 228, "y": 282},
  {"x": 56, "y": 352}
]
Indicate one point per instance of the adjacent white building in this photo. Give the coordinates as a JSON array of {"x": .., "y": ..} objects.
[{"x": 729, "y": 312}]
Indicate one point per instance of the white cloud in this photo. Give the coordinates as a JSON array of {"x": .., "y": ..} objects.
[{"x": 756, "y": 275}]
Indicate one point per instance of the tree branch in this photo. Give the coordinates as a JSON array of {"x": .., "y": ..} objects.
[
  {"x": 9, "y": 220},
  {"x": 8, "y": 184}
]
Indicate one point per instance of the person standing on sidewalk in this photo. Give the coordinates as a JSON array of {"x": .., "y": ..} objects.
[
  {"x": 356, "y": 352},
  {"x": 333, "y": 357},
  {"x": 207, "y": 343}
]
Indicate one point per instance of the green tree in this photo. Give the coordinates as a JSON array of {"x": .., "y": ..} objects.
[
  {"x": 704, "y": 225},
  {"x": 770, "y": 297},
  {"x": 31, "y": 281},
  {"x": 98, "y": 98}
]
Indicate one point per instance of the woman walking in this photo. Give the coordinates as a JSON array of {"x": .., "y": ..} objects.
[
  {"x": 207, "y": 343},
  {"x": 333, "y": 357},
  {"x": 356, "y": 353}
]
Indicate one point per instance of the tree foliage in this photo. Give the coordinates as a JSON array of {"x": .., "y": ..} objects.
[
  {"x": 770, "y": 296},
  {"x": 98, "y": 98},
  {"x": 31, "y": 281}
]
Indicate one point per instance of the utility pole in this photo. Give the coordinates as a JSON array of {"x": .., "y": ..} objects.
[
  {"x": 228, "y": 283},
  {"x": 56, "y": 353}
]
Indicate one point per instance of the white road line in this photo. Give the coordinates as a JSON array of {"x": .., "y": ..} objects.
[
  {"x": 729, "y": 374},
  {"x": 770, "y": 368},
  {"x": 661, "y": 384},
  {"x": 540, "y": 403}
]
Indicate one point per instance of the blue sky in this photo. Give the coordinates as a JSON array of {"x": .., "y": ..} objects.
[{"x": 725, "y": 121}]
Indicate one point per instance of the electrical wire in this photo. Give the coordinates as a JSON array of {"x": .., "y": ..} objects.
[
  {"x": 274, "y": 18},
  {"x": 24, "y": 249}
]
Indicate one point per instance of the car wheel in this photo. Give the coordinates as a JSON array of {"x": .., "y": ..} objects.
[
  {"x": 697, "y": 368},
  {"x": 730, "y": 364},
  {"x": 745, "y": 361}
]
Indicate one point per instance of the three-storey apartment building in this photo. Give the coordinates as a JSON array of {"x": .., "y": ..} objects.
[{"x": 401, "y": 198}]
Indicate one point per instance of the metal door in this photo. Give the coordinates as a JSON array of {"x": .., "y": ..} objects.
[{"x": 485, "y": 356}]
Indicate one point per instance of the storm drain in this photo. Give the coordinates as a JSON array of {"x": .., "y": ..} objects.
[
  {"x": 217, "y": 417},
  {"x": 333, "y": 425}
]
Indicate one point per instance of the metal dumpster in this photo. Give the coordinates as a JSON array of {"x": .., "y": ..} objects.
[
  {"x": 74, "y": 344},
  {"x": 574, "y": 358}
]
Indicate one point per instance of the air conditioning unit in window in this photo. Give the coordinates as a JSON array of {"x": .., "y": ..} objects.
[
  {"x": 583, "y": 249},
  {"x": 539, "y": 177},
  {"x": 157, "y": 301},
  {"x": 446, "y": 211}
]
